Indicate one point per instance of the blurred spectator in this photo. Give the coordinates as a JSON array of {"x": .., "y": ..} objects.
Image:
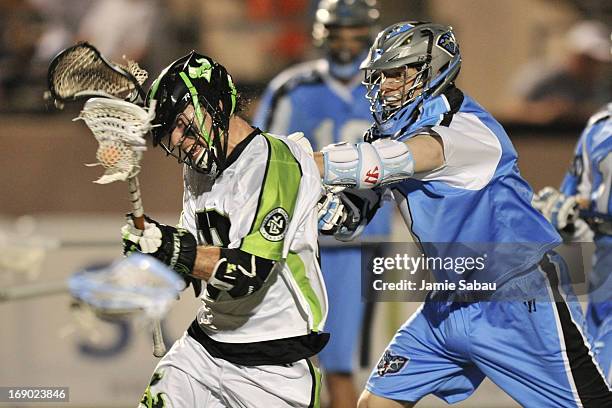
[
  {"x": 61, "y": 23},
  {"x": 570, "y": 89},
  {"x": 32, "y": 32},
  {"x": 20, "y": 30},
  {"x": 120, "y": 27}
]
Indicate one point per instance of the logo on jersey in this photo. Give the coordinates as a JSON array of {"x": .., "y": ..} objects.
[
  {"x": 390, "y": 363},
  {"x": 448, "y": 43},
  {"x": 274, "y": 226},
  {"x": 372, "y": 176}
]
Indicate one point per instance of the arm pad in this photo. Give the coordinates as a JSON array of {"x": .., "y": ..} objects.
[
  {"x": 238, "y": 273},
  {"x": 367, "y": 165}
]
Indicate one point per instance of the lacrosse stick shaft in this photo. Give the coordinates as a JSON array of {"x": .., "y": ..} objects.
[
  {"x": 159, "y": 348},
  {"x": 138, "y": 211},
  {"x": 33, "y": 291}
]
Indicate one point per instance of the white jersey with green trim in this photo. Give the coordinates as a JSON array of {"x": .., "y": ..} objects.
[{"x": 265, "y": 204}]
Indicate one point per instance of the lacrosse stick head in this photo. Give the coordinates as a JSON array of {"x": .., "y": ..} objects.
[
  {"x": 120, "y": 128},
  {"x": 81, "y": 71},
  {"x": 138, "y": 285},
  {"x": 196, "y": 97}
]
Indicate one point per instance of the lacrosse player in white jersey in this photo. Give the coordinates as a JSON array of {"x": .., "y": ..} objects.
[{"x": 249, "y": 232}]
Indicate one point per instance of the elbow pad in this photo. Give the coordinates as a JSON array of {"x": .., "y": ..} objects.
[
  {"x": 367, "y": 165},
  {"x": 238, "y": 273}
]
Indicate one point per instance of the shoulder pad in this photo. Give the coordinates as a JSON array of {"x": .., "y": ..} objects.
[
  {"x": 602, "y": 114},
  {"x": 304, "y": 73}
]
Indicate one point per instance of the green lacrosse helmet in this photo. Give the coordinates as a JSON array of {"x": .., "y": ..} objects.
[{"x": 196, "y": 80}]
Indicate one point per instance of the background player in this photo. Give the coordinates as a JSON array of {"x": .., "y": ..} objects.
[
  {"x": 462, "y": 186},
  {"x": 249, "y": 229},
  {"x": 325, "y": 99},
  {"x": 587, "y": 186}
]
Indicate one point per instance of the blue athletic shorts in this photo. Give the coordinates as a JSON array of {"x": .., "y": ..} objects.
[
  {"x": 341, "y": 271},
  {"x": 534, "y": 350}
]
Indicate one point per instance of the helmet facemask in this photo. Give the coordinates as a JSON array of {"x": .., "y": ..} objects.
[
  {"x": 390, "y": 90},
  {"x": 422, "y": 58},
  {"x": 199, "y": 144}
]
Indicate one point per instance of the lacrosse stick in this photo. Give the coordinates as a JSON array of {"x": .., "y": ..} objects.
[
  {"x": 81, "y": 71},
  {"x": 130, "y": 287},
  {"x": 120, "y": 127}
]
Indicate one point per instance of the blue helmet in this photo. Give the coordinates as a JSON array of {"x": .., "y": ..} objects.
[
  {"x": 426, "y": 51},
  {"x": 332, "y": 15}
]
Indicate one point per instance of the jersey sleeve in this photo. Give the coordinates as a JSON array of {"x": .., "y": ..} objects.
[{"x": 471, "y": 154}]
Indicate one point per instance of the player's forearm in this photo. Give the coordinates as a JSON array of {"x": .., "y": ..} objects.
[
  {"x": 391, "y": 160},
  {"x": 427, "y": 152},
  {"x": 318, "y": 158},
  {"x": 206, "y": 259}
]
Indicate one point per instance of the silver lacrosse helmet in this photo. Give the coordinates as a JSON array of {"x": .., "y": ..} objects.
[
  {"x": 422, "y": 58},
  {"x": 333, "y": 15}
]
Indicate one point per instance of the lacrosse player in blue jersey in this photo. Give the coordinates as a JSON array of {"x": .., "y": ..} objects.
[
  {"x": 454, "y": 174},
  {"x": 325, "y": 99},
  {"x": 585, "y": 193}
]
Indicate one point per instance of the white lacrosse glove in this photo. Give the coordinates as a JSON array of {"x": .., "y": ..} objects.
[
  {"x": 147, "y": 241},
  {"x": 302, "y": 141},
  {"x": 175, "y": 247},
  {"x": 560, "y": 210}
]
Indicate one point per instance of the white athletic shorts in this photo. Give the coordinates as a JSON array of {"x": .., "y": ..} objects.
[{"x": 188, "y": 376}]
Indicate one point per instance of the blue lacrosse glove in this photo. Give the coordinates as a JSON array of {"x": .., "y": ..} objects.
[{"x": 175, "y": 247}]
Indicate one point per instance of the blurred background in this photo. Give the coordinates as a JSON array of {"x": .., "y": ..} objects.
[{"x": 509, "y": 48}]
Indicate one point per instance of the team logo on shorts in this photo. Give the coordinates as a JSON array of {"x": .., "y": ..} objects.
[
  {"x": 274, "y": 226},
  {"x": 390, "y": 363}
]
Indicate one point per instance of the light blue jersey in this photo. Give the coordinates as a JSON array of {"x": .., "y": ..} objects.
[
  {"x": 590, "y": 177},
  {"x": 306, "y": 98},
  {"x": 591, "y": 173},
  {"x": 527, "y": 337},
  {"x": 478, "y": 197}
]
